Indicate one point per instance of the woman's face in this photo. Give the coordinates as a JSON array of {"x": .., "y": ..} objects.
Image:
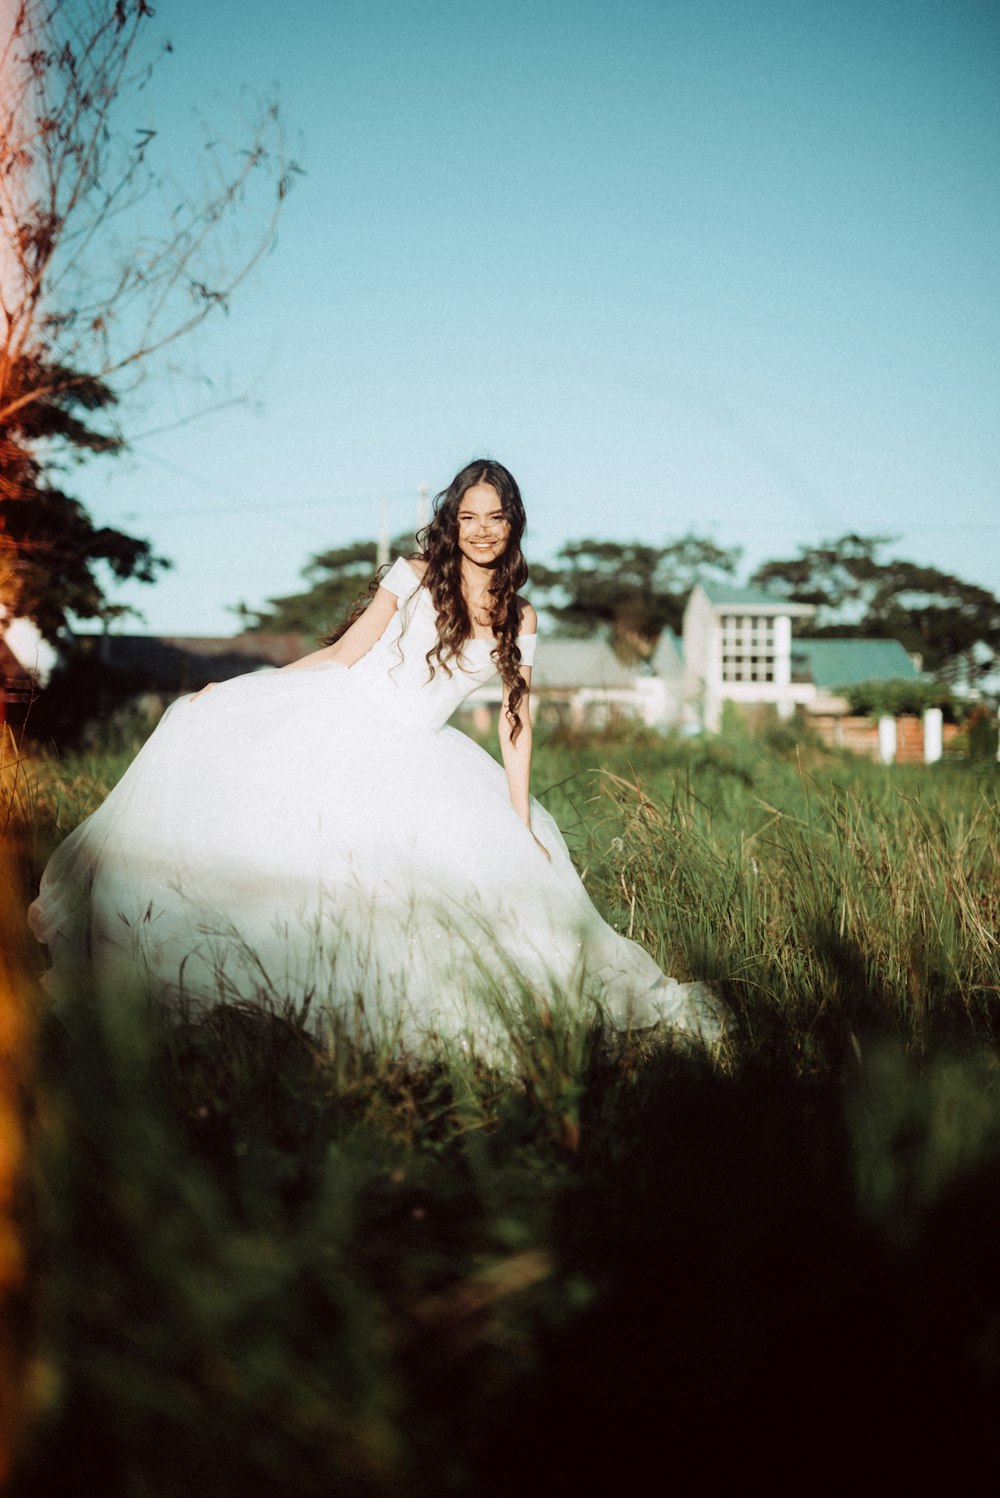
[{"x": 483, "y": 528}]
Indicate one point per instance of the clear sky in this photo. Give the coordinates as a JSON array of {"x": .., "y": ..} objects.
[{"x": 700, "y": 265}]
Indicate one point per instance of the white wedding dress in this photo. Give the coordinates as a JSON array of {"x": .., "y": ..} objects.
[{"x": 319, "y": 838}]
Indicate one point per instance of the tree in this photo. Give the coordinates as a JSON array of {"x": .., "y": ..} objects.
[
  {"x": 337, "y": 579},
  {"x": 51, "y": 554},
  {"x": 837, "y": 578},
  {"x": 87, "y": 296},
  {"x": 632, "y": 590},
  {"x": 953, "y": 625}
]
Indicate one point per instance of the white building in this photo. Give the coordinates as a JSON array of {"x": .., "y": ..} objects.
[{"x": 738, "y": 648}]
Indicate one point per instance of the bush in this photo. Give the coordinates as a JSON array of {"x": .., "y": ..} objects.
[
  {"x": 878, "y": 699},
  {"x": 981, "y": 732}
]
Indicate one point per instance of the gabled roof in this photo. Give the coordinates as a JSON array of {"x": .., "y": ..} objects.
[
  {"x": 668, "y": 657},
  {"x": 731, "y": 600},
  {"x": 842, "y": 663},
  {"x": 567, "y": 664},
  {"x": 176, "y": 662}
]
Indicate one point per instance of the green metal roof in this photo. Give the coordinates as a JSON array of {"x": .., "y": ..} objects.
[
  {"x": 726, "y": 596},
  {"x": 841, "y": 663}
]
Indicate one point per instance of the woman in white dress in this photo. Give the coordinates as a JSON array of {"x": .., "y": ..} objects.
[{"x": 317, "y": 838}]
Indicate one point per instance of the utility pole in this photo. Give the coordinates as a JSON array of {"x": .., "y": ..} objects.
[
  {"x": 423, "y": 505},
  {"x": 382, "y": 550}
]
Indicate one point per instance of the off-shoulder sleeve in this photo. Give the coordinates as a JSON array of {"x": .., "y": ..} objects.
[
  {"x": 526, "y": 645},
  {"x": 400, "y": 579}
]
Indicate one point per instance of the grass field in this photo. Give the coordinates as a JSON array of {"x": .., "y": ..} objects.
[{"x": 253, "y": 1267}]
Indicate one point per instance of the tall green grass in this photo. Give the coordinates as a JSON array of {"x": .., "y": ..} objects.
[
  {"x": 825, "y": 895},
  {"x": 266, "y": 1266}
]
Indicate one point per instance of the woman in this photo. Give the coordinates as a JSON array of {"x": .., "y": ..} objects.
[{"x": 317, "y": 837}]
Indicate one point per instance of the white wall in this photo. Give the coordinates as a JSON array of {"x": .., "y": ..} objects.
[
  {"x": 700, "y": 667},
  {"x": 28, "y": 648},
  {"x": 706, "y": 692}
]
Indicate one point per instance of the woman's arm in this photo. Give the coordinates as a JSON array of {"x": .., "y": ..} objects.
[
  {"x": 517, "y": 753},
  {"x": 356, "y": 641},
  {"x": 369, "y": 626},
  {"x": 353, "y": 643}
]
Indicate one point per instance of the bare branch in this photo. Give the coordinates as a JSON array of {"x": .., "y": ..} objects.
[
  {"x": 104, "y": 263},
  {"x": 65, "y": 178}
]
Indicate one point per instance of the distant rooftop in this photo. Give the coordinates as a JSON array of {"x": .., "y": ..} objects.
[
  {"x": 668, "y": 657},
  {"x": 730, "y": 599},
  {"x": 11, "y": 669},
  {"x": 843, "y": 663},
  {"x": 566, "y": 664},
  {"x": 178, "y": 662}
]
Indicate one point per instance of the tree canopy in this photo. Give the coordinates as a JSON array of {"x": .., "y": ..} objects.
[
  {"x": 53, "y": 559},
  {"x": 84, "y": 303},
  {"x": 953, "y": 625},
  {"x": 336, "y": 578},
  {"x": 631, "y": 590}
]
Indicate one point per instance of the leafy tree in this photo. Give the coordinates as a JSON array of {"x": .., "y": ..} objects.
[
  {"x": 953, "y": 625},
  {"x": 632, "y": 590},
  {"x": 88, "y": 295},
  {"x": 337, "y": 579},
  {"x": 53, "y": 557},
  {"x": 837, "y": 578}
]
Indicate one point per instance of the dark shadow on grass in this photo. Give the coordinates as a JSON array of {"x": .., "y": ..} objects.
[{"x": 745, "y": 1318}]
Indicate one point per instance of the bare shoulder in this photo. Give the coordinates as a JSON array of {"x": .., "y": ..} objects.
[
  {"x": 418, "y": 565},
  {"x": 527, "y": 618}
]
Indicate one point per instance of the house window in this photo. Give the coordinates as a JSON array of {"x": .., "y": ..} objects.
[{"x": 747, "y": 647}]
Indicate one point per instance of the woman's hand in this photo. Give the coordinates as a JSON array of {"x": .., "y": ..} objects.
[{"x": 545, "y": 850}]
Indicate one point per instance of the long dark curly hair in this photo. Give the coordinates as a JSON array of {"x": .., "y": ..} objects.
[{"x": 438, "y": 547}]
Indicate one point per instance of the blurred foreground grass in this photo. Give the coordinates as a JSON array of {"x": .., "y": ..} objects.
[{"x": 255, "y": 1267}]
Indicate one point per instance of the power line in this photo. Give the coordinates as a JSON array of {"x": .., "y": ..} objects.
[{"x": 287, "y": 506}]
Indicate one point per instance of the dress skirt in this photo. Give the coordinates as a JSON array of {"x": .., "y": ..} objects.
[{"x": 286, "y": 839}]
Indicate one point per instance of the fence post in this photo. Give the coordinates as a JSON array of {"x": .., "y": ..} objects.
[
  {"x": 933, "y": 735},
  {"x": 887, "y": 739}
]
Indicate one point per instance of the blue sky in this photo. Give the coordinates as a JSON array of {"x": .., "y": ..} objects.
[{"x": 682, "y": 265}]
